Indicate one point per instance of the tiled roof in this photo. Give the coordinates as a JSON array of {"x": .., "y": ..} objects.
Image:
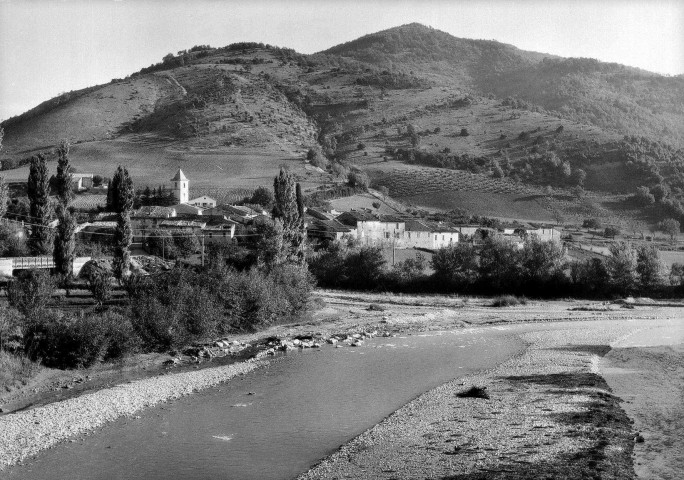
[
  {"x": 182, "y": 223},
  {"x": 154, "y": 211}
]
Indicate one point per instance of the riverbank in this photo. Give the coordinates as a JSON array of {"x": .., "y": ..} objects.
[
  {"x": 549, "y": 414},
  {"x": 341, "y": 314}
]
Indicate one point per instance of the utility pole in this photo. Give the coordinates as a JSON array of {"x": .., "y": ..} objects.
[{"x": 202, "y": 250}]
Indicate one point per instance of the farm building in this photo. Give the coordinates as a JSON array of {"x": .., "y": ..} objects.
[
  {"x": 545, "y": 233},
  {"x": 81, "y": 181},
  {"x": 203, "y": 202},
  {"x": 238, "y": 213},
  {"x": 327, "y": 229},
  {"x": 374, "y": 229},
  {"x": 419, "y": 234}
]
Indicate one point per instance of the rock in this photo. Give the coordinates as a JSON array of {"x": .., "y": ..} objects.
[
  {"x": 235, "y": 342},
  {"x": 315, "y": 345},
  {"x": 356, "y": 336},
  {"x": 357, "y": 343},
  {"x": 219, "y": 344},
  {"x": 332, "y": 341},
  {"x": 296, "y": 342},
  {"x": 639, "y": 439}
]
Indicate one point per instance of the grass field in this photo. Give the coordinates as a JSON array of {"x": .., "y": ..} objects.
[{"x": 211, "y": 172}]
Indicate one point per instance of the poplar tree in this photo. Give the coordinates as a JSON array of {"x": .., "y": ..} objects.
[
  {"x": 64, "y": 246},
  {"x": 4, "y": 191},
  {"x": 288, "y": 209},
  {"x": 123, "y": 235},
  {"x": 38, "y": 187}
]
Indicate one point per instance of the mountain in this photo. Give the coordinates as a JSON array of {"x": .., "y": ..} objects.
[{"x": 441, "y": 121}]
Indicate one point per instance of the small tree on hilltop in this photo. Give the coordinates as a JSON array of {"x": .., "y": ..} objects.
[
  {"x": 40, "y": 240},
  {"x": 123, "y": 234},
  {"x": 4, "y": 190}
]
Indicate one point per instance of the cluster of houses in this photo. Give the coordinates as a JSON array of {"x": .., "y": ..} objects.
[{"x": 229, "y": 223}]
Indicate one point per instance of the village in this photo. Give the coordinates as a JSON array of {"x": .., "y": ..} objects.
[{"x": 216, "y": 223}]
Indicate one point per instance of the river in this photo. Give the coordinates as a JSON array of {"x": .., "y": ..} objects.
[{"x": 275, "y": 422}]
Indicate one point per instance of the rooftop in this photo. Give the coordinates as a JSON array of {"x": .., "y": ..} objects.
[{"x": 179, "y": 176}]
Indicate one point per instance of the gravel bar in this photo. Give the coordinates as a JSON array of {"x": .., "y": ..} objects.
[
  {"x": 26, "y": 433},
  {"x": 549, "y": 415}
]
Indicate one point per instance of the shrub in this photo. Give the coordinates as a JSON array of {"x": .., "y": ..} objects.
[
  {"x": 66, "y": 341},
  {"x": 464, "y": 132},
  {"x": 508, "y": 301},
  {"x": 31, "y": 292},
  {"x": 611, "y": 232},
  {"x": 591, "y": 223},
  {"x": 456, "y": 264},
  {"x": 358, "y": 179},
  {"x": 100, "y": 285},
  {"x": 376, "y": 204}
]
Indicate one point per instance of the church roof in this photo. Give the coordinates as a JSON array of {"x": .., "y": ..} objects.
[{"x": 179, "y": 177}]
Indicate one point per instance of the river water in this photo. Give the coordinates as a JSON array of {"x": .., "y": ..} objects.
[{"x": 275, "y": 422}]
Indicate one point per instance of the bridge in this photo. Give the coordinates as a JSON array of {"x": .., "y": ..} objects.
[{"x": 9, "y": 264}]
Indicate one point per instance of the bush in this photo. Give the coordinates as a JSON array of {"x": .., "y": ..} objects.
[
  {"x": 358, "y": 179},
  {"x": 508, "y": 301},
  {"x": 61, "y": 340},
  {"x": 464, "y": 132},
  {"x": 30, "y": 293},
  {"x": 591, "y": 223},
  {"x": 456, "y": 264},
  {"x": 100, "y": 284}
]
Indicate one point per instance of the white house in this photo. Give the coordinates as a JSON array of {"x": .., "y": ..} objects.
[
  {"x": 81, "y": 181},
  {"x": 203, "y": 201}
]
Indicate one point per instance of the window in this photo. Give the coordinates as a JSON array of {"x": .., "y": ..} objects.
[
  {"x": 387, "y": 235},
  {"x": 442, "y": 237},
  {"x": 435, "y": 237},
  {"x": 397, "y": 226},
  {"x": 409, "y": 234}
]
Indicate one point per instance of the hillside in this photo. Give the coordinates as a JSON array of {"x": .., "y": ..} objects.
[{"x": 485, "y": 120}]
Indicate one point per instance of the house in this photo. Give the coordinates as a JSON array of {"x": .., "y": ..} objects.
[
  {"x": 419, "y": 234},
  {"x": 190, "y": 226},
  {"x": 238, "y": 213},
  {"x": 372, "y": 228},
  {"x": 81, "y": 181},
  {"x": 219, "y": 229},
  {"x": 187, "y": 209},
  {"x": 203, "y": 201},
  {"x": 546, "y": 233},
  {"x": 327, "y": 229},
  {"x": 150, "y": 216}
]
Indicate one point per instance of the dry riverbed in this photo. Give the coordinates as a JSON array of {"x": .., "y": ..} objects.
[{"x": 550, "y": 414}]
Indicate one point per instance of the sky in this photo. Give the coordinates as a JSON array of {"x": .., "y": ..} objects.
[{"x": 52, "y": 46}]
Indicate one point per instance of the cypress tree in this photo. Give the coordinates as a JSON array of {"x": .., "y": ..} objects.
[
  {"x": 38, "y": 187},
  {"x": 123, "y": 235},
  {"x": 64, "y": 246}
]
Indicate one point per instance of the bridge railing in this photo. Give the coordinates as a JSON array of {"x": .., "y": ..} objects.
[{"x": 33, "y": 262}]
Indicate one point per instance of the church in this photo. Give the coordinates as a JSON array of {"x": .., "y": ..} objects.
[{"x": 181, "y": 190}]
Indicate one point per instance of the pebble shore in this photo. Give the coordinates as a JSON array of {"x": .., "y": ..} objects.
[
  {"x": 24, "y": 434},
  {"x": 549, "y": 415}
]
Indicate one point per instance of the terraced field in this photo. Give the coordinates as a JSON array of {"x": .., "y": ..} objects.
[{"x": 422, "y": 180}]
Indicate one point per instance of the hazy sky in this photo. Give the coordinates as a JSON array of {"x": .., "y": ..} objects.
[{"x": 51, "y": 46}]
